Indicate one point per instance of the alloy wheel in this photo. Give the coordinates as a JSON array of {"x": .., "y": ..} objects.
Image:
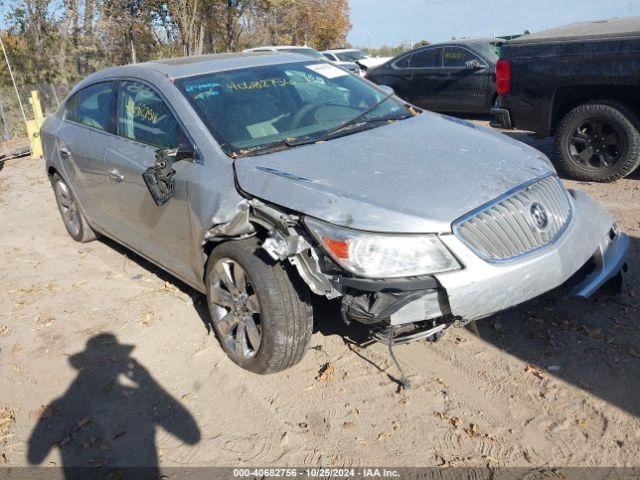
[
  {"x": 68, "y": 208},
  {"x": 596, "y": 144},
  {"x": 235, "y": 309}
]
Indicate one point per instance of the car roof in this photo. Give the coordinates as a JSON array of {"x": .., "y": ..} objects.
[
  {"x": 340, "y": 50},
  {"x": 202, "y": 64},
  {"x": 276, "y": 47},
  {"x": 470, "y": 42},
  {"x": 598, "y": 29},
  {"x": 481, "y": 46}
]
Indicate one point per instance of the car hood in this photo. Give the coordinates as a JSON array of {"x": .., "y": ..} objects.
[
  {"x": 346, "y": 65},
  {"x": 413, "y": 176}
]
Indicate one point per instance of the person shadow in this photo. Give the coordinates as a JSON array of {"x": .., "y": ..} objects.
[{"x": 108, "y": 417}]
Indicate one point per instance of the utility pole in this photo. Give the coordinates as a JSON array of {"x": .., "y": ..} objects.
[{"x": 368, "y": 34}]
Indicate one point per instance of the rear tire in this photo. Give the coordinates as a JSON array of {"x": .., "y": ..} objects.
[
  {"x": 269, "y": 328},
  {"x": 598, "y": 141},
  {"x": 72, "y": 217}
]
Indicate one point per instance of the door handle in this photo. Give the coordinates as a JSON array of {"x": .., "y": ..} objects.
[
  {"x": 115, "y": 175},
  {"x": 64, "y": 153}
]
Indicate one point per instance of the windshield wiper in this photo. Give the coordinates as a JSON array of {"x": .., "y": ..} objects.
[
  {"x": 353, "y": 121},
  {"x": 273, "y": 146},
  {"x": 351, "y": 125}
]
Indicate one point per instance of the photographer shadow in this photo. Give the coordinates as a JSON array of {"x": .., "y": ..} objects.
[{"x": 108, "y": 417}]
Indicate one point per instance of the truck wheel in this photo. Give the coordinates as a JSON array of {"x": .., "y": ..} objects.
[
  {"x": 73, "y": 219},
  {"x": 262, "y": 320},
  {"x": 599, "y": 141}
]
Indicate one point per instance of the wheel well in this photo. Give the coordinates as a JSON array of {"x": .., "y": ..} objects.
[
  {"x": 567, "y": 98},
  {"x": 51, "y": 171},
  {"x": 261, "y": 233}
]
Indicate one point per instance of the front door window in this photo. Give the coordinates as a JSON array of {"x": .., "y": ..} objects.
[{"x": 143, "y": 116}]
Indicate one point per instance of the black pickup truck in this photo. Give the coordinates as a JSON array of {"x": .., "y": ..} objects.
[{"x": 581, "y": 84}]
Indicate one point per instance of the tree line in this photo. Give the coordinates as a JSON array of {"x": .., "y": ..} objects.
[{"x": 60, "y": 41}]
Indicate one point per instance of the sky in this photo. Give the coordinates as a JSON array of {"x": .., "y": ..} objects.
[{"x": 392, "y": 22}]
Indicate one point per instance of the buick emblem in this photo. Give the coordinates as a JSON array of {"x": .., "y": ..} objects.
[{"x": 539, "y": 216}]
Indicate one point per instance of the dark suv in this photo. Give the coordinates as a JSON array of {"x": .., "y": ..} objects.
[{"x": 578, "y": 83}]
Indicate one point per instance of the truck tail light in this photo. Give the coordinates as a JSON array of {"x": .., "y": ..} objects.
[{"x": 503, "y": 76}]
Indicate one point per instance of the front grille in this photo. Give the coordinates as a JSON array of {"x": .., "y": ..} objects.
[{"x": 514, "y": 224}]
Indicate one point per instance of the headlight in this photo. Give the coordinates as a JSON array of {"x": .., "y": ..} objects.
[{"x": 377, "y": 255}]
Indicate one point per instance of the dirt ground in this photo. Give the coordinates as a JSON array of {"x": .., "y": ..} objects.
[{"x": 105, "y": 360}]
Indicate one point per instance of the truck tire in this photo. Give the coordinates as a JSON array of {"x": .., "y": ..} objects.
[
  {"x": 72, "y": 217},
  {"x": 262, "y": 320},
  {"x": 598, "y": 141}
]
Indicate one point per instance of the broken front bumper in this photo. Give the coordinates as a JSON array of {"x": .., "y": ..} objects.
[
  {"x": 589, "y": 252},
  {"x": 590, "y": 243}
]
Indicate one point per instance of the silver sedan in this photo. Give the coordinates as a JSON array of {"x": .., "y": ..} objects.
[{"x": 260, "y": 179}]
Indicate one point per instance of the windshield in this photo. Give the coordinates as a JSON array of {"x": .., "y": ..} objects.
[
  {"x": 351, "y": 56},
  {"x": 309, "y": 52},
  {"x": 252, "y": 107}
]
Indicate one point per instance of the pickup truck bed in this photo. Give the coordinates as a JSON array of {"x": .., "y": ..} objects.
[{"x": 543, "y": 77}]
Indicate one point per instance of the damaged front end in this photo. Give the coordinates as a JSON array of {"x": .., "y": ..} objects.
[
  {"x": 397, "y": 310},
  {"x": 406, "y": 311}
]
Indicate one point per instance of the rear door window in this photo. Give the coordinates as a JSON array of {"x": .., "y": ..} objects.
[
  {"x": 403, "y": 62},
  {"x": 455, "y": 57},
  {"x": 428, "y": 58},
  {"x": 143, "y": 116},
  {"x": 94, "y": 106}
]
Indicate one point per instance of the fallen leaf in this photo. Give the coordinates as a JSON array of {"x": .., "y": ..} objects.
[
  {"x": 326, "y": 373},
  {"x": 472, "y": 430},
  {"x": 534, "y": 371},
  {"x": 455, "y": 421},
  {"x": 44, "y": 411},
  {"x": 84, "y": 422}
]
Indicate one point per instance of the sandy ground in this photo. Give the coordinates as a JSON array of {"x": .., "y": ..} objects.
[{"x": 551, "y": 383}]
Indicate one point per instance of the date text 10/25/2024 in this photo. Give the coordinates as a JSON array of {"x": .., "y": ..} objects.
[{"x": 315, "y": 472}]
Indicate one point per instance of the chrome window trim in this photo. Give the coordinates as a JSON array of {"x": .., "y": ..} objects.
[
  {"x": 458, "y": 222},
  {"x": 441, "y": 67}
]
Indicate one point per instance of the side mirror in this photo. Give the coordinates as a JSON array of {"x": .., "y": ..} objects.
[
  {"x": 159, "y": 177},
  {"x": 387, "y": 89}
]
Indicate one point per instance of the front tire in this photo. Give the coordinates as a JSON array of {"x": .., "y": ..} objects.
[
  {"x": 599, "y": 141},
  {"x": 262, "y": 320},
  {"x": 73, "y": 219}
]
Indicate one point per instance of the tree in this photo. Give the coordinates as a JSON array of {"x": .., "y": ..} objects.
[{"x": 64, "y": 40}]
